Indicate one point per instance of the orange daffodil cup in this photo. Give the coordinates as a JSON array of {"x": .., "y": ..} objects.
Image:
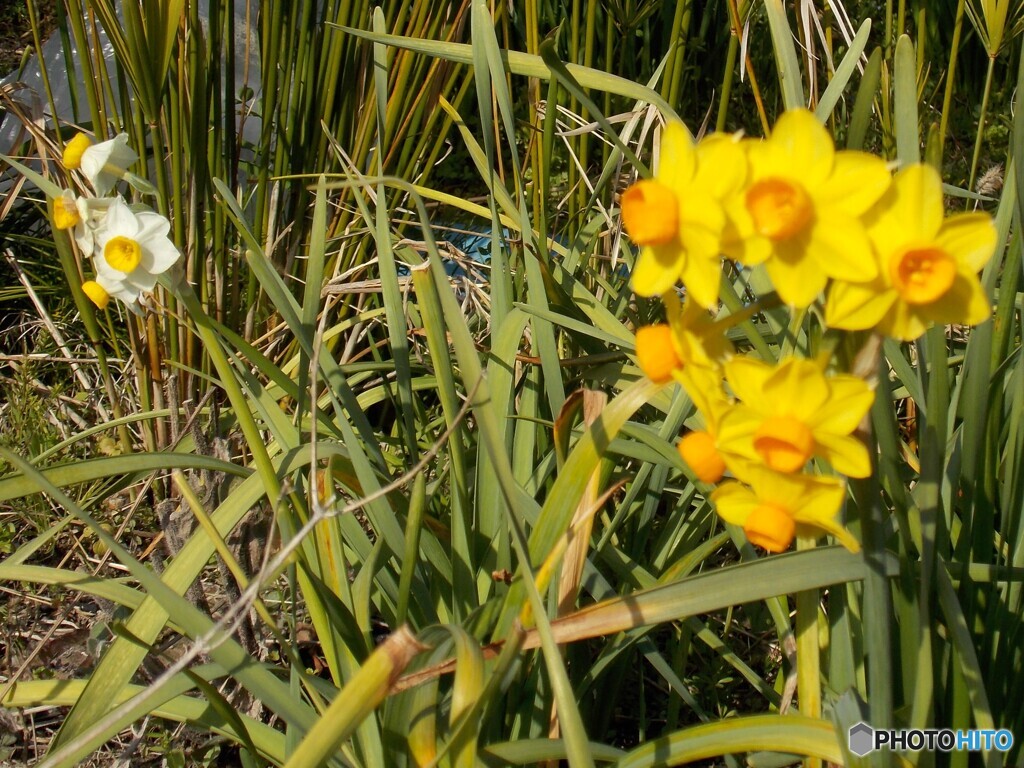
[{"x": 820, "y": 222}]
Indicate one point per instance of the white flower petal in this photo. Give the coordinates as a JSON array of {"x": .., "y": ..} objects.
[
  {"x": 118, "y": 289},
  {"x": 99, "y": 159},
  {"x": 142, "y": 280},
  {"x": 159, "y": 256},
  {"x": 126, "y": 293},
  {"x": 105, "y": 270},
  {"x": 85, "y": 240},
  {"x": 152, "y": 225},
  {"x": 120, "y": 222}
]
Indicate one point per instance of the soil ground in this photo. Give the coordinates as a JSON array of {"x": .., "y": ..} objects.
[{"x": 16, "y": 31}]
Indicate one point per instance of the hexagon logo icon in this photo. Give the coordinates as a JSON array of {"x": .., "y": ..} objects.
[{"x": 861, "y": 739}]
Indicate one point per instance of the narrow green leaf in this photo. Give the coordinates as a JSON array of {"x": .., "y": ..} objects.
[
  {"x": 786, "y": 61},
  {"x": 834, "y": 92},
  {"x": 776, "y": 733},
  {"x": 908, "y": 139}
]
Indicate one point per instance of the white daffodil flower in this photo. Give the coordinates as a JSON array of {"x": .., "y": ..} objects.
[
  {"x": 130, "y": 250},
  {"x": 104, "y": 163},
  {"x": 92, "y": 213}
]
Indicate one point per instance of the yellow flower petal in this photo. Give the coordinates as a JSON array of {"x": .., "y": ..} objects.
[
  {"x": 797, "y": 280},
  {"x": 704, "y": 386},
  {"x": 857, "y": 182},
  {"x": 702, "y": 221},
  {"x": 703, "y": 280},
  {"x": 964, "y": 303},
  {"x": 847, "y": 455},
  {"x": 813, "y": 500},
  {"x": 796, "y": 386},
  {"x": 971, "y": 237},
  {"x": 799, "y": 147},
  {"x": 833, "y": 528},
  {"x": 734, "y": 502},
  {"x": 677, "y": 159},
  {"x": 721, "y": 165},
  {"x": 849, "y": 401},
  {"x": 903, "y": 322},
  {"x": 911, "y": 210},
  {"x": 657, "y": 269},
  {"x": 841, "y": 247},
  {"x": 747, "y": 376},
  {"x": 856, "y": 306},
  {"x": 650, "y": 213},
  {"x": 699, "y": 342},
  {"x": 748, "y": 249},
  {"x": 819, "y": 509}
]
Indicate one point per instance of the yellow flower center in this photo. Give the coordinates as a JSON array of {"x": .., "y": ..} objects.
[
  {"x": 122, "y": 254},
  {"x": 655, "y": 352},
  {"x": 73, "y": 151},
  {"x": 699, "y": 452},
  {"x": 65, "y": 213},
  {"x": 771, "y": 527},
  {"x": 784, "y": 443},
  {"x": 650, "y": 212},
  {"x": 96, "y": 293},
  {"x": 922, "y": 275},
  {"x": 780, "y": 208}
]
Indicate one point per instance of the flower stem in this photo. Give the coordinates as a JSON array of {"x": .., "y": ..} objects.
[
  {"x": 981, "y": 123},
  {"x": 808, "y": 661}
]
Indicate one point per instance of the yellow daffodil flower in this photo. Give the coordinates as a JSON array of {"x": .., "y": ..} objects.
[
  {"x": 928, "y": 264},
  {"x": 690, "y": 338},
  {"x": 800, "y": 210},
  {"x": 699, "y": 341},
  {"x": 775, "y": 508},
  {"x": 677, "y": 216},
  {"x": 131, "y": 249},
  {"x": 699, "y": 448},
  {"x": 793, "y": 412}
]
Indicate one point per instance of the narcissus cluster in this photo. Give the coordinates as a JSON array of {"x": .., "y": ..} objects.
[
  {"x": 128, "y": 245},
  {"x": 834, "y": 231}
]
